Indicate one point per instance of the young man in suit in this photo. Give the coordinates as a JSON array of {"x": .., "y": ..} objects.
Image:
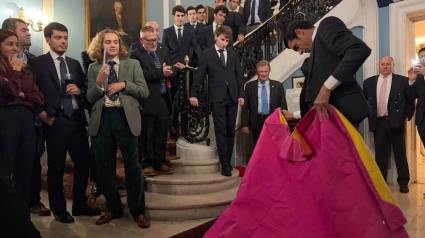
[
  {"x": 336, "y": 55},
  {"x": 193, "y": 22},
  {"x": 235, "y": 6},
  {"x": 116, "y": 84},
  {"x": 256, "y": 12},
  {"x": 157, "y": 107},
  {"x": 64, "y": 122},
  {"x": 233, "y": 20},
  {"x": 262, "y": 97},
  {"x": 206, "y": 35},
  {"x": 21, "y": 30},
  {"x": 391, "y": 104},
  {"x": 200, "y": 14},
  {"x": 180, "y": 40},
  {"x": 225, "y": 88}
]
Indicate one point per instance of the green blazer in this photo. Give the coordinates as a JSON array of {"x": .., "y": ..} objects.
[{"x": 131, "y": 73}]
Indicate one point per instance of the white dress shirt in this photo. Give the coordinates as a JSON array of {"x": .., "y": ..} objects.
[
  {"x": 224, "y": 52},
  {"x": 108, "y": 102},
  {"x": 57, "y": 66},
  {"x": 387, "y": 91},
  {"x": 177, "y": 32},
  {"x": 331, "y": 83},
  {"x": 214, "y": 27},
  {"x": 260, "y": 89}
]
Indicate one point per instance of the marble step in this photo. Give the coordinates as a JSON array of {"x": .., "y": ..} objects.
[
  {"x": 184, "y": 184},
  {"x": 191, "y": 166},
  {"x": 165, "y": 207}
]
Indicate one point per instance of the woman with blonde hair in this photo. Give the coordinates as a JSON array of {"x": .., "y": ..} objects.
[
  {"x": 19, "y": 96},
  {"x": 116, "y": 84}
]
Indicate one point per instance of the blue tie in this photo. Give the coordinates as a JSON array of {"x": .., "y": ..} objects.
[
  {"x": 264, "y": 101},
  {"x": 112, "y": 78},
  {"x": 155, "y": 60},
  {"x": 68, "y": 109}
]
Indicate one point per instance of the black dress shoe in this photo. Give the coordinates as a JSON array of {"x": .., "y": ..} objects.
[
  {"x": 226, "y": 171},
  {"x": 85, "y": 211},
  {"x": 95, "y": 191},
  {"x": 64, "y": 218},
  {"x": 404, "y": 189}
]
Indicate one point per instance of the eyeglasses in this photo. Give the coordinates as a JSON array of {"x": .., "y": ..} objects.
[{"x": 150, "y": 41}]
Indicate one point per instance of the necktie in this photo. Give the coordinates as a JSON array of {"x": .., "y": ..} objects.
[
  {"x": 68, "y": 109},
  {"x": 382, "y": 105},
  {"x": 158, "y": 66},
  {"x": 264, "y": 100},
  {"x": 223, "y": 60},
  {"x": 112, "y": 78},
  {"x": 253, "y": 12},
  {"x": 179, "y": 35}
]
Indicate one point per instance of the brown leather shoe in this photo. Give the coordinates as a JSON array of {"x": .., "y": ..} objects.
[
  {"x": 404, "y": 189},
  {"x": 166, "y": 170},
  {"x": 149, "y": 171},
  {"x": 106, "y": 218},
  {"x": 143, "y": 222},
  {"x": 40, "y": 209}
]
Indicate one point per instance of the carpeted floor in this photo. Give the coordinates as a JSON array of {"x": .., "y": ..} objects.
[{"x": 196, "y": 232}]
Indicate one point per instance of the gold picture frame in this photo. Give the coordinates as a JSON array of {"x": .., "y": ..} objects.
[
  {"x": 298, "y": 81},
  {"x": 104, "y": 10}
]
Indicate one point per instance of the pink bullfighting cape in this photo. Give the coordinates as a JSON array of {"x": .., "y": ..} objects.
[{"x": 321, "y": 181}]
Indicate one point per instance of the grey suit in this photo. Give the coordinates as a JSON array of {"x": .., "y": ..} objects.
[{"x": 131, "y": 73}]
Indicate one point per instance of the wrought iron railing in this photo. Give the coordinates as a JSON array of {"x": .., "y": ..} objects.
[{"x": 266, "y": 41}]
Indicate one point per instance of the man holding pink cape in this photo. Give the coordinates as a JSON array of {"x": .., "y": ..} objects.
[{"x": 315, "y": 186}]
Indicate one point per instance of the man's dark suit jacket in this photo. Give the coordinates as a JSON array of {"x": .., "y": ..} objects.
[
  {"x": 219, "y": 77},
  {"x": 264, "y": 10},
  {"x": 303, "y": 105},
  {"x": 48, "y": 81},
  {"x": 206, "y": 38},
  {"x": 189, "y": 45},
  {"x": 198, "y": 27},
  {"x": 400, "y": 103},
  {"x": 250, "y": 108},
  {"x": 235, "y": 22},
  {"x": 337, "y": 52},
  {"x": 85, "y": 59},
  {"x": 417, "y": 90},
  {"x": 153, "y": 77}
]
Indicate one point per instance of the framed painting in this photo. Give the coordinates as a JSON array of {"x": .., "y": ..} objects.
[
  {"x": 298, "y": 81},
  {"x": 126, "y": 16}
]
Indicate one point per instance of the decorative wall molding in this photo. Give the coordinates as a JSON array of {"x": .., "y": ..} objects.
[
  {"x": 166, "y": 15},
  {"x": 48, "y": 13}
]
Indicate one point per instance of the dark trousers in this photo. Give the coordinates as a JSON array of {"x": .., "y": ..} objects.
[
  {"x": 256, "y": 131},
  {"x": 36, "y": 169},
  {"x": 17, "y": 149},
  {"x": 154, "y": 136},
  {"x": 114, "y": 130},
  {"x": 385, "y": 138},
  {"x": 16, "y": 221},
  {"x": 67, "y": 135},
  {"x": 224, "y": 117},
  {"x": 421, "y": 130},
  {"x": 354, "y": 123}
]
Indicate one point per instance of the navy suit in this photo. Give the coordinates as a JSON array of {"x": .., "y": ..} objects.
[
  {"x": 264, "y": 10},
  {"x": 189, "y": 45},
  {"x": 67, "y": 134},
  {"x": 225, "y": 86}
]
